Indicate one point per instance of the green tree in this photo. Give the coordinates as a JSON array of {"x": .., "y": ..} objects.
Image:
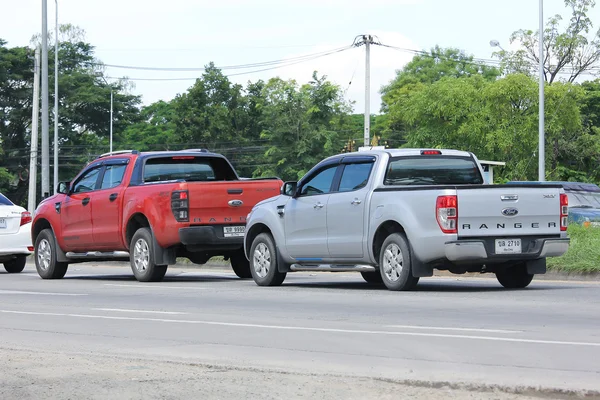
[
  {"x": 423, "y": 70},
  {"x": 569, "y": 52},
  {"x": 301, "y": 125}
]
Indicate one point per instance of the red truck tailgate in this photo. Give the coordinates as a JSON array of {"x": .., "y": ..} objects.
[{"x": 227, "y": 202}]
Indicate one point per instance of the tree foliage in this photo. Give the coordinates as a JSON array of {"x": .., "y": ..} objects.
[{"x": 568, "y": 51}]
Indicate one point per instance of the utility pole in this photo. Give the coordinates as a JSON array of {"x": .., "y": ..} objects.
[
  {"x": 35, "y": 117},
  {"x": 368, "y": 39},
  {"x": 55, "y": 97},
  {"x": 542, "y": 140},
  {"x": 111, "y": 120},
  {"x": 45, "y": 144}
]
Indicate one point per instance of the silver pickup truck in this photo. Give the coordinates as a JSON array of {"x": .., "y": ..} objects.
[{"x": 396, "y": 215}]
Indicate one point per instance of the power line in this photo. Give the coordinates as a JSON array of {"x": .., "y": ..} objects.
[{"x": 305, "y": 57}]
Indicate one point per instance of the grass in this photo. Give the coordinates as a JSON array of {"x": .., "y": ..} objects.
[{"x": 584, "y": 252}]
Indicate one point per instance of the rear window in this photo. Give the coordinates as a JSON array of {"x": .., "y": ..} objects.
[
  {"x": 187, "y": 168},
  {"x": 432, "y": 170},
  {"x": 4, "y": 201}
]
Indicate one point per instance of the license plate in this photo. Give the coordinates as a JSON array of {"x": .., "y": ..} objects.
[
  {"x": 234, "y": 231},
  {"x": 508, "y": 246},
  {"x": 2, "y": 223}
]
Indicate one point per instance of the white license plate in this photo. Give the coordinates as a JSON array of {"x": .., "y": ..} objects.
[
  {"x": 2, "y": 223},
  {"x": 508, "y": 246},
  {"x": 234, "y": 231}
]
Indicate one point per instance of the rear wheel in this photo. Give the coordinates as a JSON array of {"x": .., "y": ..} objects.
[
  {"x": 515, "y": 277},
  {"x": 45, "y": 256},
  {"x": 372, "y": 276},
  {"x": 263, "y": 262},
  {"x": 394, "y": 263},
  {"x": 141, "y": 255},
  {"x": 15, "y": 266},
  {"x": 240, "y": 265}
]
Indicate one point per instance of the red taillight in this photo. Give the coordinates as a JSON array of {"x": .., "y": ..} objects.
[
  {"x": 183, "y": 158},
  {"x": 180, "y": 205},
  {"x": 430, "y": 152},
  {"x": 564, "y": 211},
  {"x": 446, "y": 211},
  {"x": 26, "y": 218}
]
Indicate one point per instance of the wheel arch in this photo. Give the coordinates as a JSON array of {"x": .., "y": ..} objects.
[
  {"x": 252, "y": 233},
  {"x": 135, "y": 222}
]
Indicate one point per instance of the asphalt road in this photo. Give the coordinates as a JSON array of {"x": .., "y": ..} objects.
[{"x": 463, "y": 333}]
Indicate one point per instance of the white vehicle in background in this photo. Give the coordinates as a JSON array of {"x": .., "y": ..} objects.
[{"x": 15, "y": 235}]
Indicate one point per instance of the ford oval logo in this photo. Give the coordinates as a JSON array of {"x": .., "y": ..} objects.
[
  {"x": 510, "y": 212},
  {"x": 235, "y": 203}
]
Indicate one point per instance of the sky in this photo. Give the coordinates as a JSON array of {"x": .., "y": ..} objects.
[{"x": 192, "y": 33}]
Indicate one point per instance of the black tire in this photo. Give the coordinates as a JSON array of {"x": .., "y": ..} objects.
[
  {"x": 240, "y": 265},
  {"x": 141, "y": 257},
  {"x": 15, "y": 266},
  {"x": 514, "y": 277},
  {"x": 263, "y": 261},
  {"x": 395, "y": 263},
  {"x": 372, "y": 277},
  {"x": 45, "y": 256}
]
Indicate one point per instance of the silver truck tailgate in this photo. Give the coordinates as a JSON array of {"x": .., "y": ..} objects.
[{"x": 507, "y": 210}]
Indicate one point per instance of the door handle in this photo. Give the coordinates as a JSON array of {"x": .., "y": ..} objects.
[
  {"x": 356, "y": 201},
  {"x": 85, "y": 201},
  {"x": 319, "y": 205},
  {"x": 113, "y": 196}
]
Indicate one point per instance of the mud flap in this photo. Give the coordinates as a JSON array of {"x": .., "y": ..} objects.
[
  {"x": 418, "y": 268},
  {"x": 536, "y": 266},
  {"x": 282, "y": 266},
  {"x": 163, "y": 256}
]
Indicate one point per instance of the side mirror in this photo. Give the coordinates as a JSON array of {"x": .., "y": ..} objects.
[
  {"x": 63, "y": 187},
  {"x": 289, "y": 188}
]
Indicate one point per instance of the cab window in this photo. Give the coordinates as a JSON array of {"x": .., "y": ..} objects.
[{"x": 320, "y": 183}]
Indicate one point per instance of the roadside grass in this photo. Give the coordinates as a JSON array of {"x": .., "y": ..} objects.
[{"x": 583, "y": 255}]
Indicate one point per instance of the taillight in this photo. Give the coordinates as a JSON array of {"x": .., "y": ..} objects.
[
  {"x": 446, "y": 211},
  {"x": 180, "y": 205},
  {"x": 430, "y": 152},
  {"x": 564, "y": 211},
  {"x": 26, "y": 218}
]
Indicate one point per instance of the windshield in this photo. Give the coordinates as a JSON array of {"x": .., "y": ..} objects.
[
  {"x": 4, "y": 201},
  {"x": 584, "y": 199},
  {"x": 432, "y": 170}
]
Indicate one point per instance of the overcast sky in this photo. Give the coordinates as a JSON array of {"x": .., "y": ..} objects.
[{"x": 191, "y": 33}]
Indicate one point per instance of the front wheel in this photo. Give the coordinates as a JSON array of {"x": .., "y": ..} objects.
[
  {"x": 141, "y": 256},
  {"x": 45, "y": 256},
  {"x": 515, "y": 277},
  {"x": 240, "y": 265},
  {"x": 15, "y": 266},
  {"x": 395, "y": 265},
  {"x": 263, "y": 261}
]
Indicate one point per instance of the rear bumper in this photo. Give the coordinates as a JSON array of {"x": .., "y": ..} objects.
[
  {"x": 473, "y": 250},
  {"x": 204, "y": 238},
  {"x": 16, "y": 244}
]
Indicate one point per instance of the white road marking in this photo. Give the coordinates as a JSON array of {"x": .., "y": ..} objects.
[
  {"x": 312, "y": 329},
  {"x": 441, "y": 328},
  {"x": 159, "y": 286},
  {"x": 140, "y": 311},
  {"x": 2, "y": 291}
]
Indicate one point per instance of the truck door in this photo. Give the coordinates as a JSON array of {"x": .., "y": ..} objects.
[
  {"x": 346, "y": 209},
  {"x": 306, "y": 217},
  {"x": 76, "y": 212},
  {"x": 108, "y": 205}
]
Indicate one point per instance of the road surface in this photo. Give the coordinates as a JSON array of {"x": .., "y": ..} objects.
[{"x": 98, "y": 333}]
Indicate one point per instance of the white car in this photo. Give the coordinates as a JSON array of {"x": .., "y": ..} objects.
[{"x": 15, "y": 235}]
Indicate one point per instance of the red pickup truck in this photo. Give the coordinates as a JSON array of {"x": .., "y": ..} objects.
[{"x": 148, "y": 208}]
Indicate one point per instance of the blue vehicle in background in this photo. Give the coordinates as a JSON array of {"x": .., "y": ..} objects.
[{"x": 584, "y": 201}]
